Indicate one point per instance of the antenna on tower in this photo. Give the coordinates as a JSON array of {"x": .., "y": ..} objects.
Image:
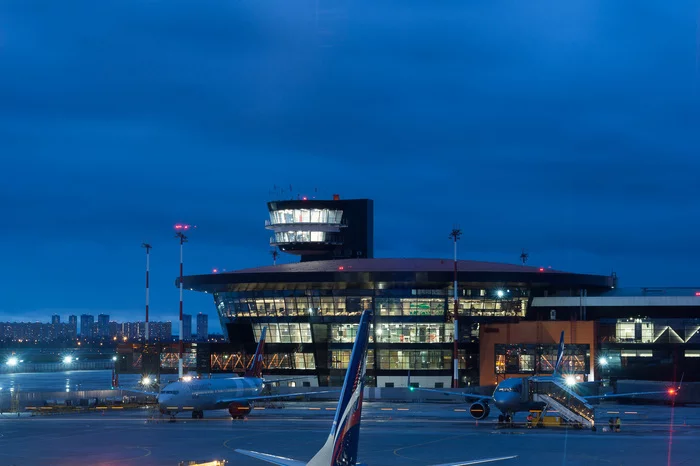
[{"x": 524, "y": 256}]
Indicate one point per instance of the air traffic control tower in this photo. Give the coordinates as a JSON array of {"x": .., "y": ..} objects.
[{"x": 323, "y": 229}]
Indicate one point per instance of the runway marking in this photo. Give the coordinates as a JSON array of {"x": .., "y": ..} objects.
[
  {"x": 422, "y": 444},
  {"x": 148, "y": 453}
]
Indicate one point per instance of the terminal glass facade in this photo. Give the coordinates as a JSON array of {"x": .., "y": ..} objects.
[{"x": 412, "y": 328}]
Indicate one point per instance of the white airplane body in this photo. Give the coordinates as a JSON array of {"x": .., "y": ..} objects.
[{"x": 235, "y": 394}]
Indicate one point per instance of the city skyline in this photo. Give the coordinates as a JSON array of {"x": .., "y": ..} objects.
[
  {"x": 95, "y": 325},
  {"x": 567, "y": 130}
]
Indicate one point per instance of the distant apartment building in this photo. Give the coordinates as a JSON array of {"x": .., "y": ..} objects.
[
  {"x": 55, "y": 319},
  {"x": 186, "y": 327},
  {"x": 87, "y": 326},
  {"x": 35, "y": 332},
  {"x": 114, "y": 329},
  {"x": 103, "y": 325},
  {"x": 157, "y": 331},
  {"x": 202, "y": 326}
]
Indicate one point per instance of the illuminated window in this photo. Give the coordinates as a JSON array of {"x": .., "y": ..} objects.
[
  {"x": 304, "y": 361},
  {"x": 634, "y": 331},
  {"x": 284, "y": 333},
  {"x": 500, "y": 364},
  {"x": 415, "y": 359},
  {"x": 415, "y": 333},
  {"x": 527, "y": 363},
  {"x": 341, "y": 358},
  {"x": 294, "y": 216},
  {"x": 692, "y": 353}
]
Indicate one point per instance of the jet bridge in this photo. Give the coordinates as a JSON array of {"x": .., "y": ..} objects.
[{"x": 570, "y": 406}]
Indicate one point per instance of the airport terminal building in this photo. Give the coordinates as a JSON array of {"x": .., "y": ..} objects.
[{"x": 510, "y": 316}]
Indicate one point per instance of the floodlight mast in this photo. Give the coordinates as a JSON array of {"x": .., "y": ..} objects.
[
  {"x": 455, "y": 235},
  {"x": 148, "y": 248},
  {"x": 180, "y": 229}
]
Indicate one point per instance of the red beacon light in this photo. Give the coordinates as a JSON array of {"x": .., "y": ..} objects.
[
  {"x": 215, "y": 270},
  {"x": 697, "y": 293},
  {"x": 341, "y": 268},
  {"x": 541, "y": 269},
  {"x": 672, "y": 391}
]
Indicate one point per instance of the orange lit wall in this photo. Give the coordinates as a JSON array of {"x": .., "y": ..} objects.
[{"x": 541, "y": 332}]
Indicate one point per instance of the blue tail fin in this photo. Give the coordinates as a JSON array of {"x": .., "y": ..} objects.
[
  {"x": 341, "y": 446},
  {"x": 256, "y": 364},
  {"x": 560, "y": 355}
]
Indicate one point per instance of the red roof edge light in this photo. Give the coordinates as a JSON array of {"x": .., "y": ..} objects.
[
  {"x": 697, "y": 293},
  {"x": 541, "y": 269},
  {"x": 341, "y": 267}
]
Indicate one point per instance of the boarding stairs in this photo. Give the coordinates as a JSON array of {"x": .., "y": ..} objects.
[{"x": 571, "y": 407}]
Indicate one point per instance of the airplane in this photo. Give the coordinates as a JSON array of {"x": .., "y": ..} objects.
[
  {"x": 509, "y": 399},
  {"x": 235, "y": 394},
  {"x": 340, "y": 448}
]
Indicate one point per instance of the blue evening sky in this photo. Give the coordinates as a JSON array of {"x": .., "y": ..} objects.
[{"x": 570, "y": 129}]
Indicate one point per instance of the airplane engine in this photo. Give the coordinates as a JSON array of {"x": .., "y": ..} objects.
[
  {"x": 479, "y": 410},
  {"x": 237, "y": 410}
]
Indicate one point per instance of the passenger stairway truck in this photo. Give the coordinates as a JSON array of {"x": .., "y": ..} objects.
[{"x": 570, "y": 406}]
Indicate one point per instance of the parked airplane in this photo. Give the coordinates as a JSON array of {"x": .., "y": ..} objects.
[
  {"x": 513, "y": 395},
  {"x": 340, "y": 448},
  {"x": 235, "y": 394}
]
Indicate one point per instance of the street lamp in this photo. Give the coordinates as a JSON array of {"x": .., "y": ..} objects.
[{"x": 180, "y": 234}]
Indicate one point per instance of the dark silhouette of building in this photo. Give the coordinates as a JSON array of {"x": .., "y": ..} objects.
[
  {"x": 202, "y": 326},
  {"x": 87, "y": 326},
  {"x": 186, "y": 327},
  {"x": 103, "y": 325}
]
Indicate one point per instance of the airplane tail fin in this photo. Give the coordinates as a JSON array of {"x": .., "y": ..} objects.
[
  {"x": 256, "y": 364},
  {"x": 341, "y": 445},
  {"x": 560, "y": 355}
]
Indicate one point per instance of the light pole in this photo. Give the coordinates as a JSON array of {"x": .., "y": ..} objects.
[
  {"x": 148, "y": 248},
  {"x": 274, "y": 254},
  {"x": 180, "y": 229},
  {"x": 455, "y": 234}
]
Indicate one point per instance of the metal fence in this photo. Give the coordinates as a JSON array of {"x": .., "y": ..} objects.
[{"x": 100, "y": 364}]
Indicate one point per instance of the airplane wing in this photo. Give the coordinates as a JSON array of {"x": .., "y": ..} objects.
[
  {"x": 278, "y": 460},
  {"x": 631, "y": 394},
  {"x": 287, "y": 395},
  {"x": 472, "y": 396},
  {"x": 481, "y": 461},
  {"x": 143, "y": 392}
]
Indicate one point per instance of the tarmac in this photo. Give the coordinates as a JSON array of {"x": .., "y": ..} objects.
[{"x": 391, "y": 434}]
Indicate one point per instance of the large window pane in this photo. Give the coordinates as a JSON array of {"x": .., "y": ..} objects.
[{"x": 305, "y": 330}]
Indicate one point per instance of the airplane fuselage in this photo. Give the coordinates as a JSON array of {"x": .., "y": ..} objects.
[
  {"x": 207, "y": 394},
  {"x": 508, "y": 395}
]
